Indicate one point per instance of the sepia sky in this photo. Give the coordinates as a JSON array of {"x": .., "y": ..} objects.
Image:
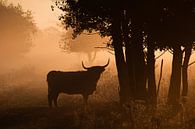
[{"x": 41, "y": 10}]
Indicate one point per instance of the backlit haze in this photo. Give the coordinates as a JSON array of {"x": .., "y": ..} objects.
[
  {"x": 25, "y": 84},
  {"x": 41, "y": 10},
  {"x": 46, "y": 53},
  {"x": 28, "y": 72}
]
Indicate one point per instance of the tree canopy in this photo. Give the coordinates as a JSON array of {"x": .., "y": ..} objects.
[
  {"x": 16, "y": 30},
  {"x": 136, "y": 25}
]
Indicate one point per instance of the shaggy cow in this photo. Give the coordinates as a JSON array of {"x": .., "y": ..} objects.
[{"x": 78, "y": 82}]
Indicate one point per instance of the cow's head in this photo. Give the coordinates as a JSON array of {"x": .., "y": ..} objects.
[{"x": 98, "y": 69}]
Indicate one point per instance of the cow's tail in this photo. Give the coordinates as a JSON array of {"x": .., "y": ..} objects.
[
  {"x": 48, "y": 77},
  {"x": 49, "y": 94},
  {"x": 49, "y": 89},
  {"x": 49, "y": 82}
]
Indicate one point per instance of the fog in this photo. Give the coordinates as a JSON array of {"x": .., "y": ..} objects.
[
  {"x": 24, "y": 76},
  {"x": 29, "y": 52},
  {"x": 32, "y": 44},
  {"x": 46, "y": 55},
  {"x": 24, "y": 89}
]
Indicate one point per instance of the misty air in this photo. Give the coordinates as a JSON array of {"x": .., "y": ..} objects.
[{"x": 99, "y": 64}]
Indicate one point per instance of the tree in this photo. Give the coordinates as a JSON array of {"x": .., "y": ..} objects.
[
  {"x": 182, "y": 36},
  {"x": 16, "y": 30},
  {"x": 105, "y": 18},
  {"x": 188, "y": 52},
  {"x": 92, "y": 43},
  {"x": 114, "y": 20},
  {"x": 173, "y": 31},
  {"x": 140, "y": 27}
]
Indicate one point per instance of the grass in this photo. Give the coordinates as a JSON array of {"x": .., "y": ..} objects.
[{"x": 23, "y": 105}]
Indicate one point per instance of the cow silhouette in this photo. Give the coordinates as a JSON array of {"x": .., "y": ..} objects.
[{"x": 76, "y": 82}]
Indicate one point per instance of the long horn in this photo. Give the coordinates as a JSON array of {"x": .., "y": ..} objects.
[
  {"x": 84, "y": 66},
  {"x": 107, "y": 63}
]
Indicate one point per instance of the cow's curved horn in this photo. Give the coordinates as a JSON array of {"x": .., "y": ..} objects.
[
  {"x": 84, "y": 66},
  {"x": 107, "y": 63}
]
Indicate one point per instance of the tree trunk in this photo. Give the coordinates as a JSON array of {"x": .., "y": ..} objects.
[
  {"x": 151, "y": 73},
  {"x": 188, "y": 50},
  {"x": 131, "y": 69},
  {"x": 128, "y": 52},
  {"x": 175, "y": 82},
  {"x": 119, "y": 58},
  {"x": 138, "y": 59}
]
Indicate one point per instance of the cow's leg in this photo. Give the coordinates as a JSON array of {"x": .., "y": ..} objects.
[
  {"x": 55, "y": 98},
  {"x": 49, "y": 100},
  {"x": 50, "y": 92},
  {"x": 51, "y": 96},
  {"x": 85, "y": 98}
]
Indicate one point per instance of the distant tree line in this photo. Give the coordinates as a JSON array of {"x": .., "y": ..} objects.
[
  {"x": 16, "y": 30},
  {"x": 141, "y": 27},
  {"x": 90, "y": 41}
]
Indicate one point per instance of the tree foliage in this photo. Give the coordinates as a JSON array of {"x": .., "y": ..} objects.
[
  {"x": 16, "y": 30},
  {"x": 135, "y": 25}
]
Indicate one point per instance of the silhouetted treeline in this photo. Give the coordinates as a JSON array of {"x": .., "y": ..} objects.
[
  {"x": 141, "y": 27},
  {"x": 16, "y": 30}
]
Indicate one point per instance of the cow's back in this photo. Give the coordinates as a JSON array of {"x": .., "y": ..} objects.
[
  {"x": 76, "y": 82},
  {"x": 67, "y": 79}
]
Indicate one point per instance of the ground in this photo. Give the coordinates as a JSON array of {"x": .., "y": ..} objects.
[{"x": 24, "y": 106}]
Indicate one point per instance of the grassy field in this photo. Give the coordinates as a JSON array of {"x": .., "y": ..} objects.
[{"x": 23, "y": 105}]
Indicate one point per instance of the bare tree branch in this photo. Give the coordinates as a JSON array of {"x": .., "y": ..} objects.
[
  {"x": 191, "y": 63},
  {"x": 90, "y": 33},
  {"x": 109, "y": 49},
  {"x": 160, "y": 55},
  {"x": 158, "y": 89},
  {"x": 111, "y": 52},
  {"x": 105, "y": 48}
]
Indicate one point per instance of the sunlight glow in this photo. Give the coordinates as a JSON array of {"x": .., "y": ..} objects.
[{"x": 41, "y": 9}]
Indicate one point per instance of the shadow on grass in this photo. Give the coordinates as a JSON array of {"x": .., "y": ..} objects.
[
  {"x": 67, "y": 117},
  {"x": 37, "y": 117}
]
